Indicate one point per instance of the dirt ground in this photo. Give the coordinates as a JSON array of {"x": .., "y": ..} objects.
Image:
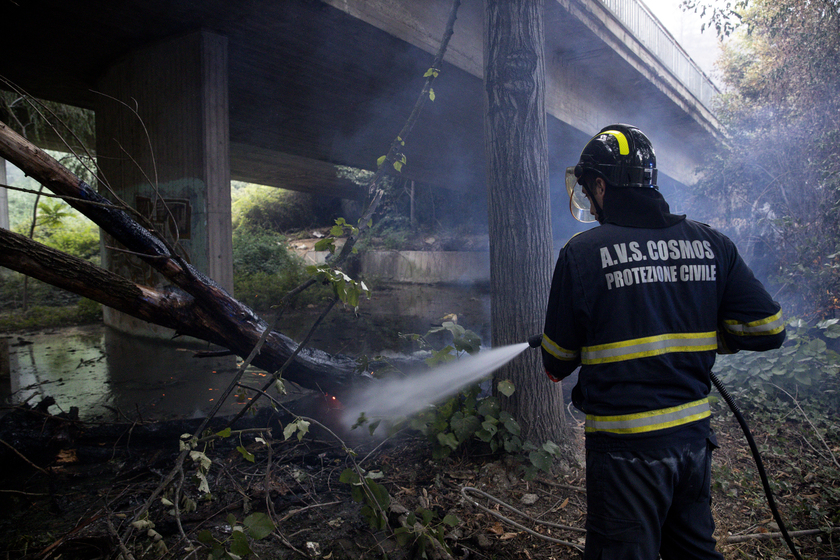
[{"x": 74, "y": 494}]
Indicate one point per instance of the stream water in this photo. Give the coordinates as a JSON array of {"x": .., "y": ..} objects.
[{"x": 111, "y": 376}]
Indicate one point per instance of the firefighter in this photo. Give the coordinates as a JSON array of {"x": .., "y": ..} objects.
[{"x": 642, "y": 303}]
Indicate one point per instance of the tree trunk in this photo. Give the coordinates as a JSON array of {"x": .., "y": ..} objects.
[
  {"x": 176, "y": 310},
  {"x": 196, "y": 307},
  {"x": 519, "y": 211}
]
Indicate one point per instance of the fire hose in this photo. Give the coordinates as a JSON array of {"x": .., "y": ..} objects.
[
  {"x": 758, "y": 463},
  {"x": 536, "y": 341}
]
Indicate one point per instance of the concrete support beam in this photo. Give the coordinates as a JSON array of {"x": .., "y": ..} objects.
[
  {"x": 162, "y": 135},
  {"x": 290, "y": 172}
]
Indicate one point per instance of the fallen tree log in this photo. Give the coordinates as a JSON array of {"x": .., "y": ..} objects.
[
  {"x": 197, "y": 307},
  {"x": 173, "y": 309}
]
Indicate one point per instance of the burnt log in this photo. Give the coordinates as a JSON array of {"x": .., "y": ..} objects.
[{"x": 196, "y": 307}]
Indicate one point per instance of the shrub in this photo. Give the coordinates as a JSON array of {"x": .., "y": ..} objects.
[
  {"x": 280, "y": 210},
  {"x": 805, "y": 367},
  {"x": 77, "y": 237},
  {"x": 265, "y": 269}
]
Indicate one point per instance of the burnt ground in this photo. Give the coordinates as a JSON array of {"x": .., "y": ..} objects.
[{"x": 79, "y": 487}]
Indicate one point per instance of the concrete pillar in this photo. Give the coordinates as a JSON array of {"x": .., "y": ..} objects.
[
  {"x": 4, "y": 197},
  {"x": 178, "y": 140}
]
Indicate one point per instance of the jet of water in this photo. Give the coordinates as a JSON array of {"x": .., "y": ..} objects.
[{"x": 405, "y": 396}]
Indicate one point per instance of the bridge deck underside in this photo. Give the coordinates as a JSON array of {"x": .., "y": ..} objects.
[{"x": 308, "y": 81}]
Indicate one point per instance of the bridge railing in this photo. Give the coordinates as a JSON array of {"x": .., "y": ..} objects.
[{"x": 650, "y": 32}]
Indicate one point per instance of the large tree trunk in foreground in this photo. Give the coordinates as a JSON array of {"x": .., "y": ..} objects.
[
  {"x": 198, "y": 307},
  {"x": 519, "y": 212}
]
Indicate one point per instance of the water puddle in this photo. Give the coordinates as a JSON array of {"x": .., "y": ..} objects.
[{"x": 110, "y": 376}]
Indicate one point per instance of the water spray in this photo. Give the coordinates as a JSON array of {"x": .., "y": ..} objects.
[
  {"x": 396, "y": 398},
  {"x": 536, "y": 341}
]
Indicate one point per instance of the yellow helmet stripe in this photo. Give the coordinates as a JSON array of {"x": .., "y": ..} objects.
[{"x": 623, "y": 146}]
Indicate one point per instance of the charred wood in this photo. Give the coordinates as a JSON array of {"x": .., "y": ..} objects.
[{"x": 197, "y": 306}]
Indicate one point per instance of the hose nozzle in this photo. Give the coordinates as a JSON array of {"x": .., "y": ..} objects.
[{"x": 535, "y": 341}]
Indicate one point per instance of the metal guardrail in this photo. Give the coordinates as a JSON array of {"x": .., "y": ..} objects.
[{"x": 650, "y": 32}]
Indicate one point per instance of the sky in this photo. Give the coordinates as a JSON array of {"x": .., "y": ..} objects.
[{"x": 703, "y": 48}]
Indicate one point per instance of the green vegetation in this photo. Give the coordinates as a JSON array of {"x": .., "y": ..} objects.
[
  {"x": 83, "y": 312},
  {"x": 774, "y": 186},
  {"x": 269, "y": 208},
  {"x": 472, "y": 419},
  {"x": 791, "y": 396},
  {"x": 57, "y": 226},
  {"x": 265, "y": 269}
]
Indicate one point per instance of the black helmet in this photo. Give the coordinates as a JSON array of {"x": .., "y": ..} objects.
[{"x": 622, "y": 155}]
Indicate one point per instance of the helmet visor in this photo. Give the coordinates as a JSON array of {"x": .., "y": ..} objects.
[{"x": 578, "y": 202}]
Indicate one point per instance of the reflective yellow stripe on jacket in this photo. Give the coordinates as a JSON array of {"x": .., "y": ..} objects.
[
  {"x": 649, "y": 421},
  {"x": 558, "y": 351},
  {"x": 769, "y": 326},
  {"x": 648, "y": 346}
]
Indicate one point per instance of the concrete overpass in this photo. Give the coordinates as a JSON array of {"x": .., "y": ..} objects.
[{"x": 279, "y": 93}]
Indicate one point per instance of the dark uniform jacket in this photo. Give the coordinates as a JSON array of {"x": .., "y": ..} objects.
[{"x": 642, "y": 304}]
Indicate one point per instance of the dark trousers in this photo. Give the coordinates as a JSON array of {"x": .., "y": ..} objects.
[{"x": 641, "y": 504}]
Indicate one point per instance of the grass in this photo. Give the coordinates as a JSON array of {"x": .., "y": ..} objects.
[{"x": 48, "y": 316}]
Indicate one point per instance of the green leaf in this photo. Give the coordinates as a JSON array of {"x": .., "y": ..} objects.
[
  {"x": 373, "y": 425},
  {"x": 303, "y": 428},
  {"x": 325, "y": 244},
  {"x": 451, "y": 520},
  {"x": 259, "y": 525},
  {"x": 380, "y": 494},
  {"x": 445, "y": 354},
  {"x": 448, "y": 440},
  {"x": 552, "y": 448},
  {"x": 506, "y": 387},
  {"x": 403, "y": 535},
  {"x": 247, "y": 455},
  {"x": 239, "y": 544},
  {"x": 224, "y": 433},
  {"x": 832, "y": 331},
  {"x": 489, "y": 407},
  {"x": 541, "y": 460},
  {"x": 467, "y": 341},
  {"x": 349, "y": 476},
  {"x": 465, "y": 427},
  {"x": 380, "y": 161},
  {"x": 513, "y": 444},
  {"x": 512, "y": 426},
  {"x": 398, "y": 165},
  {"x": 205, "y": 537},
  {"x": 486, "y": 435},
  {"x": 431, "y": 94}
]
